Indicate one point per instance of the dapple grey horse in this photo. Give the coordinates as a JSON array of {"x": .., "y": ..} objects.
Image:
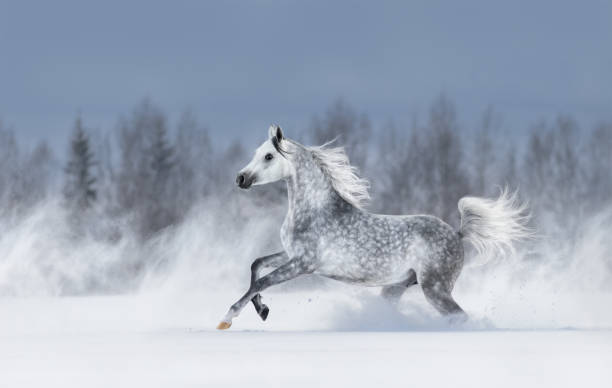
[{"x": 327, "y": 232}]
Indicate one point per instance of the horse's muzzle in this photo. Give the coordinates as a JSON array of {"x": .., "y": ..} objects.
[{"x": 244, "y": 180}]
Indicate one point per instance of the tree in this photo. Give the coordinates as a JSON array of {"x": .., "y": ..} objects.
[
  {"x": 508, "y": 172},
  {"x": 445, "y": 178},
  {"x": 398, "y": 171},
  {"x": 599, "y": 166},
  {"x": 554, "y": 180},
  {"x": 79, "y": 187},
  {"x": 25, "y": 176},
  {"x": 162, "y": 211},
  {"x": 38, "y": 173},
  {"x": 351, "y": 130},
  {"x": 537, "y": 164},
  {"x": 483, "y": 156},
  {"x": 9, "y": 173},
  {"x": 194, "y": 160},
  {"x": 145, "y": 187},
  {"x": 567, "y": 166}
]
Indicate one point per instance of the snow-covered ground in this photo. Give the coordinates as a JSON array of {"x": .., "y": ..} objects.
[
  {"x": 536, "y": 321},
  {"x": 184, "y": 357},
  {"x": 150, "y": 341}
]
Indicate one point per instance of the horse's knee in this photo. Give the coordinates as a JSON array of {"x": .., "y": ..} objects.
[
  {"x": 260, "y": 285},
  {"x": 256, "y": 264}
]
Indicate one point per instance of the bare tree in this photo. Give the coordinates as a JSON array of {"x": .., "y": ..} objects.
[
  {"x": 537, "y": 170},
  {"x": 161, "y": 210},
  {"x": 9, "y": 173},
  {"x": 38, "y": 173},
  {"x": 25, "y": 176},
  {"x": 399, "y": 172},
  {"x": 509, "y": 176},
  {"x": 147, "y": 162},
  {"x": 106, "y": 172},
  {"x": 599, "y": 167},
  {"x": 554, "y": 181},
  {"x": 194, "y": 160},
  {"x": 567, "y": 164},
  {"x": 446, "y": 179},
  {"x": 483, "y": 155},
  {"x": 352, "y": 131}
]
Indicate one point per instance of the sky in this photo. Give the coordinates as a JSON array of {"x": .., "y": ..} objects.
[{"x": 242, "y": 65}]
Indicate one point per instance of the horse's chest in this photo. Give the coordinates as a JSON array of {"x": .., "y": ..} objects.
[{"x": 297, "y": 236}]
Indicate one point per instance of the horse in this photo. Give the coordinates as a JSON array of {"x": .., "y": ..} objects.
[{"x": 328, "y": 232}]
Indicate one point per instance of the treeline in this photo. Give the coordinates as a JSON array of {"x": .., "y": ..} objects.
[
  {"x": 150, "y": 173},
  {"x": 27, "y": 176},
  {"x": 561, "y": 168}
]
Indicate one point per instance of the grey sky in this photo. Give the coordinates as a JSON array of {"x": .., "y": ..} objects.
[{"x": 241, "y": 65}]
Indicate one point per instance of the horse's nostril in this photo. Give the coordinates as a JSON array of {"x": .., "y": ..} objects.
[{"x": 240, "y": 179}]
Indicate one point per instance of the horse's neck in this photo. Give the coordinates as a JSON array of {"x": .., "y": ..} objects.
[{"x": 308, "y": 188}]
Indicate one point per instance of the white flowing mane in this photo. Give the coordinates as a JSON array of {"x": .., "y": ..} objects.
[{"x": 344, "y": 178}]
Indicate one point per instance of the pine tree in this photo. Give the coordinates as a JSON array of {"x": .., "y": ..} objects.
[
  {"x": 161, "y": 153},
  {"x": 79, "y": 189}
]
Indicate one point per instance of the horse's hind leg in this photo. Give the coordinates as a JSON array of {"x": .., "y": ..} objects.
[
  {"x": 437, "y": 278},
  {"x": 437, "y": 290},
  {"x": 394, "y": 292}
]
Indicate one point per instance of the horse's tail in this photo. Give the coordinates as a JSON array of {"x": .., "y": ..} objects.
[{"x": 493, "y": 225}]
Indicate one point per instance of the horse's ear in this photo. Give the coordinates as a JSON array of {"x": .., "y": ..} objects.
[{"x": 275, "y": 131}]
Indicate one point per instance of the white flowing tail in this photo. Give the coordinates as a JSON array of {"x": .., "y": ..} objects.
[{"x": 493, "y": 225}]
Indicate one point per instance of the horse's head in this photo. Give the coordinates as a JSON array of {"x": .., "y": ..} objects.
[{"x": 269, "y": 164}]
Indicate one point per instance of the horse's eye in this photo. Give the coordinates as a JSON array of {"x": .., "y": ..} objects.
[{"x": 269, "y": 156}]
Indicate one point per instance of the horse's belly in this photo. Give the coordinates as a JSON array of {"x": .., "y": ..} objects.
[{"x": 368, "y": 271}]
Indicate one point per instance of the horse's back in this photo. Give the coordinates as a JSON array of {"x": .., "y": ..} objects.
[{"x": 377, "y": 249}]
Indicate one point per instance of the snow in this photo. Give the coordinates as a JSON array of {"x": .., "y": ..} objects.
[
  {"x": 534, "y": 322},
  {"x": 180, "y": 357},
  {"x": 152, "y": 341}
]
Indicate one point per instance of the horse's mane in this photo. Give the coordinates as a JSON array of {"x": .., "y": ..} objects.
[{"x": 344, "y": 178}]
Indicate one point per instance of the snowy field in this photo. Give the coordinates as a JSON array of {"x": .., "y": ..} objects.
[
  {"x": 310, "y": 341},
  {"x": 534, "y": 323},
  {"x": 183, "y": 358}
]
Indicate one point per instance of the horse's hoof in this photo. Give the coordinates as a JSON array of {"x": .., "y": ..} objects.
[
  {"x": 224, "y": 325},
  {"x": 263, "y": 313}
]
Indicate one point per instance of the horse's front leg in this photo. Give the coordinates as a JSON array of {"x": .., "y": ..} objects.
[
  {"x": 287, "y": 271},
  {"x": 271, "y": 261}
]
